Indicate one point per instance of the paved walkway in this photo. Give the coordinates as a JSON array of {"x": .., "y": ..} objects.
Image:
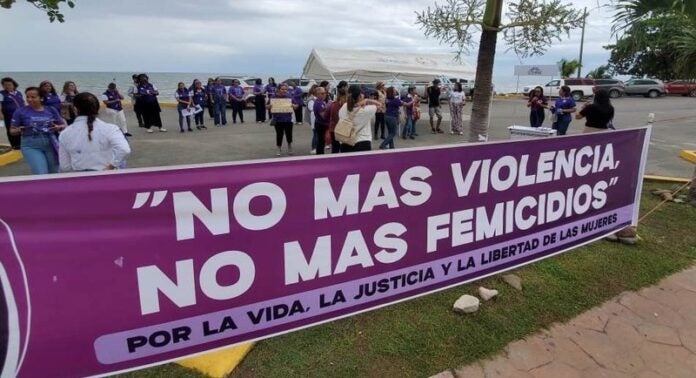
[{"x": 649, "y": 333}]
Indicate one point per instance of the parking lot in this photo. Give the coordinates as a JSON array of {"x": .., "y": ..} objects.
[{"x": 674, "y": 129}]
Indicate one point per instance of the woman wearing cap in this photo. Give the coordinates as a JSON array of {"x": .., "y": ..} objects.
[
  {"x": 91, "y": 144},
  {"x": 114, "y": 107},
  {"x": 379, "y": 116},
  {"x": 361, "y": 110},
  {"x": 146, "y": 95},
  {"x": 10, "y": 100},
  {"x": 37, "y": 124}
]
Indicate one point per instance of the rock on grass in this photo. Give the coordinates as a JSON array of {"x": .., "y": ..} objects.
[
  {"x": 466, "y": 304},
  {"x": 513, "y": 280}
]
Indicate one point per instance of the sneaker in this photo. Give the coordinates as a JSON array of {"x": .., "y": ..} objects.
[
  {"x": 439, "y": 131},
  {"x": 198, "y": 127},
  {"x": 128, "y": 134},
  {"x": 461, "y": 133},
  {"x": 181, "y": 131},
  {"x": 278, "y": 153},
  {"x": 312, "y": 152},
  {"x": 412, "y": 137},
  {"x": 149, "y": 131},
  {"x": 163, "y": 130},
  {"x": 203, "y": 127},
  {"x": 190, "y": 129}
]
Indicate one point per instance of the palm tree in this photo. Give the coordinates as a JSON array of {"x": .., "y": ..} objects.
[
  {"x": 599, "y": 72},
  {"x": 631, "y": 12},
  {"x": 568, "y": 67}
]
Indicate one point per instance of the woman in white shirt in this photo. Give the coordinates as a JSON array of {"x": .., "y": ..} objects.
[
  {"x": 457, "y": 100},
  {"x": 362, "y": 110},
  {"x": 91, "y": 144},
  {"x": 310, "y": 115}
]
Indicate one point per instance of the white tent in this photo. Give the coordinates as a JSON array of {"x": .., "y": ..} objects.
[{"x": 371, "y": 65}]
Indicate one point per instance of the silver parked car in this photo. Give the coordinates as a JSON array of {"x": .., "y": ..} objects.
[{"x": 647, "y": 87}]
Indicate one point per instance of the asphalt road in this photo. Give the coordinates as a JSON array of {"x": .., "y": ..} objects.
[{"x": 674, "y": 129}]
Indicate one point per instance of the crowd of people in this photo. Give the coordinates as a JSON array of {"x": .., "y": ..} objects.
[
  {"x": 35, "y": 120},
  {"x": 598, "y": 115}
]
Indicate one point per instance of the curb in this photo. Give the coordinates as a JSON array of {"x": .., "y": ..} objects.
[
  {"x": 218, "y": 364},
  {"x": 10, "y": 157},
  {"x": 688, "y": 155}
]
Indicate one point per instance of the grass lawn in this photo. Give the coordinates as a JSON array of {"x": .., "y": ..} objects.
[{"x": 423, "y": 336}]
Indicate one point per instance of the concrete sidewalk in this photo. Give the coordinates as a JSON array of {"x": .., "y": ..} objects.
[{"x": 649, "y": 333}]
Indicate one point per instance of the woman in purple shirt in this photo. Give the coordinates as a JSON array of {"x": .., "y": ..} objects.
[
  {"x": 200, "y": 98},
  {"x": 563, "y": 108},
  {"x": 10, "y": 100},
  {"x": 260, "y": 101},
  {"x": 236, "y": 94},
  {"x": 283, "y": 121},
  {"x": 146, "y": 94},
  {"x": 49, "y": 97},
  {"x": 183, "y": 102},
  {"x": 271, "y": 89},
  {"x": 38, "y": 123},
  {"x": 67, "y": 111},
  {"x": 391, "y": 116}
]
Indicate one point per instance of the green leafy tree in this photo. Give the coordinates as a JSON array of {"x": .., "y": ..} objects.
[
  {"x": 600, "y": 72},
  {"x": 654, "y": 38},
  {"x": 51, "y": 7},
  {"x": 530, "y": 26},
  {"x": 568, "y": 67}
]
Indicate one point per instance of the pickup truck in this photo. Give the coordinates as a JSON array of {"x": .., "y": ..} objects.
[{"x": 579, "y": 88}]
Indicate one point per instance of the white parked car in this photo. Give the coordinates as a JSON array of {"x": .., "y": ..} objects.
[
  {"x": 247, "y": 84},
  {"x": 579, "y": 88}
]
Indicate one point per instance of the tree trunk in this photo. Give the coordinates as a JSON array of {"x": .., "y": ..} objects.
[{"x": 483, "y": 90}]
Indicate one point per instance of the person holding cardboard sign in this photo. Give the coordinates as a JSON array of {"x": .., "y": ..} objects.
[{"x": 282, "y": 107}]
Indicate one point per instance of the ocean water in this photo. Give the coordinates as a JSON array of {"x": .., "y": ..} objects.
[{"x": 166, "y": 82}]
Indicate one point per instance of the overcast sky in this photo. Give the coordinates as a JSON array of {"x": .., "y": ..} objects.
[{"x": 240, "y": 36}]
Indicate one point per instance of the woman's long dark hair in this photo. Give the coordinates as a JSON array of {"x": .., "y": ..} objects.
[
  {"x": 601, "y": 101},
  {"x": 354, "y": 93},
  {"x": 87, "y": 104},
  {"x": 41, "y": 91}
]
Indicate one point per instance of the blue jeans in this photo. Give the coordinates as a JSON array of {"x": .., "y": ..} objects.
[
  {"x": 220, "y": 108},
  {"x": 561, "y": 125},
  {"x": 409, "y": 127},
  {"x": 391, "y": 132},
  {"x": 39, "y": 154}
]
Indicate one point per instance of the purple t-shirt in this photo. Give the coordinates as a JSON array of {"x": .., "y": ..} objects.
[
  {"x": 219, "y": 92},
  {"x": 146, "y": 92},
  {"x": 271, "y": 89},
  {"x": 259, "y": 89},
  {"x": 564, "y": 103},
  {"x": 35, "y": 121},
  {"x": 393, "y": 106},
  {"x": 52, "y": 100},
  {"x": 113, "y": 96},
  {"x": 236, "y": 91},
  {"x": 319, "y": 107},
  {"x": 11, "y": 101},
  {"x": 409, "y": 109},
  {"x": 199, "y": 96}
]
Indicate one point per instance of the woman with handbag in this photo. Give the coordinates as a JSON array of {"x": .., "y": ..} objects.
[
  {"x": 358, "y": 112},
  {"x": 37, "y": 123}
]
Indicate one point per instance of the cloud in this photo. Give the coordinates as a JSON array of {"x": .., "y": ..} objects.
[{"x": 256, "y": 37}]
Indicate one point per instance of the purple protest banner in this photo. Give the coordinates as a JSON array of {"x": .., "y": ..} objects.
[{"x": 110, "y": 272}]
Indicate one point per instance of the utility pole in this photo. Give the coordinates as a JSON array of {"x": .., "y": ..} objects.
[{"x": 582, "y": 41}]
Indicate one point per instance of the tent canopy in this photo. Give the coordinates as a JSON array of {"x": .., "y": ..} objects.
[{"x": 371, "y": 65}]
